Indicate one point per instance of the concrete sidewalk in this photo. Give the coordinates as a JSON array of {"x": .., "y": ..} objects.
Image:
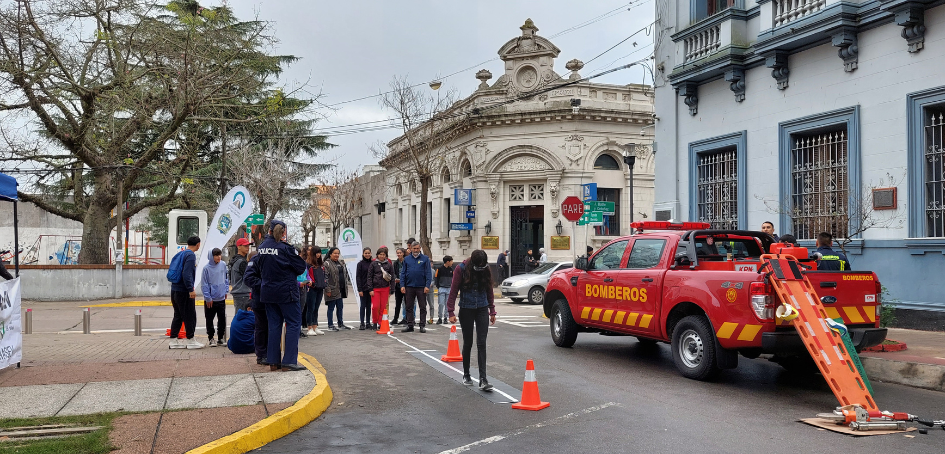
[{"x": 921, "y": 365}]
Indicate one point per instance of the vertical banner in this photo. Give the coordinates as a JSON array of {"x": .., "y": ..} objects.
[
  {"x": 11, "y": 332},
  {"x": 349, "y": 244},
  {"x": 236, "y": 207}
]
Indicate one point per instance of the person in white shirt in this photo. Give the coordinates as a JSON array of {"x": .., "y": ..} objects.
[{"x": 544, "y": 257}]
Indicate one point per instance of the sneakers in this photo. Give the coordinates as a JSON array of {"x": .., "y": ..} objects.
[
  {"x": 467, "y": 380},
  {"x": 312, "y": 332},
  {"x": 409, "y": 329},
  {"x": 319, "y": 332},
  {"x": 423, "y": 330},
  {"x": 211, "y": 342},
  {"x": 220, "y": 342},
  {"x": 302, "y": 333},
  {"x": 192, "y": 344},
  {"x": 262, "y": 362},
  {"x": 177, "y": 343},
  {"x": 362, "y": 327},
  {"x": 377, "y": 326},
  {"x": 332, "y": 328},
  {"x": 344, "y": 327},
  {"x": 395, "y": 322},
  {"x": 485, "y": 385},
  {"x": 439, "y": 321}
]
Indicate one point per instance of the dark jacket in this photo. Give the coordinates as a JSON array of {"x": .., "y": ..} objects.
[
  {"x": 444, "y": 276},
  {"x": 279, "y": 266},
  {"x": 188, "y": 272},
  {"x": 416, "y": 272},
  {"x": 336, "y": 280},
  {"x": 469, "y": 297},
  {"x": 242, "y": 333},
  {"x": 251, "y": 279},
  {"x": 375, "y": 277},
  {"x": 831, "y": 260},
  {"x": 237, "y": 270},
  {"x": 502, "y": 260},
  {"x": 364, "y": 285},
  {"x": 316, "y": 274},
  {"x": 397, "y": 266}
]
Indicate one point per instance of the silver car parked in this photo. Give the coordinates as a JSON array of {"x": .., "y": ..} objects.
[{"x": 531, "y": 285}]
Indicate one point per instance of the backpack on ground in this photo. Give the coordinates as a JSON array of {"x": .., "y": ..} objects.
[{"x": 176, "y": 269}]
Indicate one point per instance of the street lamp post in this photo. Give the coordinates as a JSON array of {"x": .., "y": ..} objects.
[{"x": 630, "y": 158}]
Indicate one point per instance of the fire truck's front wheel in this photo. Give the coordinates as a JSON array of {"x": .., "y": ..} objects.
[
  {"x": 694, "y": 348},
  {"x": 564, "y": 330}
]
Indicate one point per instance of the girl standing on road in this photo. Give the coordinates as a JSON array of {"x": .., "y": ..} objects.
[
  {"x": 316, "y": 275},
  {"x": 398, "y": 297},
  {"x": 380, "y": 279},
  {"x": 472, "y": 280},
  {"x": 336, "y": 288}
]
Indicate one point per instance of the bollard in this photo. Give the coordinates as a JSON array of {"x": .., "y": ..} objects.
[
  {"x": 29, "y": 322},
  {"x": 138, "y": 322},
  {"x": 86, "y": 321}
]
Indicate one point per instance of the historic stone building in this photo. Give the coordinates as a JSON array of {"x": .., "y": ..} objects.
[{"x": 522, "y": 159}]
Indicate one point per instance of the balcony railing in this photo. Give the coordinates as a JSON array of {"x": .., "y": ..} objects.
[
  {"x": 786, "y": 11},
  {"x": 704, "y": 43}
]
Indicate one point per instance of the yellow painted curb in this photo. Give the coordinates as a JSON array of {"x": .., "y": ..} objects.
[{"x": 280, "y": 424}]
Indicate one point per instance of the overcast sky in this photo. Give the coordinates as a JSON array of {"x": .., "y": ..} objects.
[{"x": 352, "y": 49}]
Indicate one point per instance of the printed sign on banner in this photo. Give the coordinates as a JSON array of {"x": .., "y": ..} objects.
[
  {"x": 236, "y": 207},
  {"x": 11, "y": 332},
  {"x": 349, "y": 244}
]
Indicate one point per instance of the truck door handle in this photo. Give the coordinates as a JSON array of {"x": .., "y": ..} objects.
[
  {"x": 828, "y": 284},
  {"x": 608, "y": 280},
  {"x": 648, "y": 279}
]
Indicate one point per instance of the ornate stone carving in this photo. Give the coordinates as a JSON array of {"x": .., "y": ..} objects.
[
  {"x": 553, "y": 192},
  {"x": 494, "y": 193},
  {"x": 778, "y": 62},
  {"x": 610, "y": 96},
  {"x": 689, "y": 91},
  {"x": 527, "y": 77},
  {"x": 574, "y": 66},
  {"x": 483, "y": 75},
  {"x": 574, "y": 148},
  {"x": 737, "y": 78},
  {"x": 912, "y": 21},
  {"x": 524, "y": 163},
  {"x": 481, "y": 154},
  {"x": 848, "y": 49}
]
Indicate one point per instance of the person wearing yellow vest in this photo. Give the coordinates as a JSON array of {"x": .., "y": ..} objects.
[{"x": 827, "y": 258}]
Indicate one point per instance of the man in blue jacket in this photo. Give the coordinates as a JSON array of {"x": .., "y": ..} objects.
[
  {"x": 183, "y": 298},
  {"x": 215, "y": 283},
  {"x": 416, "y": 277},
  {"x": 279, "y": 265}
]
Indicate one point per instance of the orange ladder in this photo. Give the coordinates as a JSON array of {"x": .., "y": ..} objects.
[{"x": 825, "y": 346}]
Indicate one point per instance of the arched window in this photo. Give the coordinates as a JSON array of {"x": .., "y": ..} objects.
[
  {"x": 465, "y": 169},
  {"x": 606, "y": 162},
  {"x": 445, "y": 175}
]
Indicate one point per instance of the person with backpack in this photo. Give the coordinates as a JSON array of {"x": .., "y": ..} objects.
[
  {"x": 380, "y": 279},
  {"x": 279, "y": 265},
  {"x": 214, "y": 284},
  {"x": 472, "y": 282},
  {"x": 240, "y": 290},
  {"x": 316, "y": 277},
  {"x": 182, "y": 273}
]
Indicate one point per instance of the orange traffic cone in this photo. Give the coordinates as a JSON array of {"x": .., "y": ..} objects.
[
  {"x": 531, "y": 400},
  {"x": 385, "y": 324},
  {"x": 452, "y": 349},
  {"x": 181, "y": 335}
]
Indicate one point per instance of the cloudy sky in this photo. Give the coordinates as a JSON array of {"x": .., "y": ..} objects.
[{"x": 352, "y": 49}]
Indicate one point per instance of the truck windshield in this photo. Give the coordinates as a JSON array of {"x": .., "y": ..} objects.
[{"x": 717, "y": 248}]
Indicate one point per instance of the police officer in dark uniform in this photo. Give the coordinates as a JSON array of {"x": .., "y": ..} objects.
[
  {"x": 827, "y": 258},
  {"x": 279, "y": 265}
]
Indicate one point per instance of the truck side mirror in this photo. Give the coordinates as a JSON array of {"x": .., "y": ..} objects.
[
  {"x": 682, "y": 258},
  {"x": 581, "y": 263}
]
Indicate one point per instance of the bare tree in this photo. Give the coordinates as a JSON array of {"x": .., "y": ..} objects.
[
  {"x": 429, "y": 129},
  {"x": 845, "y": 219},
  {"x": 337, "y": 197}
]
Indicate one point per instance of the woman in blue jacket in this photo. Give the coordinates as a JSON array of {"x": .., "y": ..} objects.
[{"x": 472, "y": 280}]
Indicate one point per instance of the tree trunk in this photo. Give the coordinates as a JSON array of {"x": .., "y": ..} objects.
[
  {"x": 424, "y": 227},
  {"x": 95, "y": 233}
]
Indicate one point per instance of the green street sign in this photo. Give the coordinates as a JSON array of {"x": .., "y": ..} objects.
[
  {"x": 255, "y": 219},
  {"x": 591, "y": 217},
  {"x": 607, "y": 208}
]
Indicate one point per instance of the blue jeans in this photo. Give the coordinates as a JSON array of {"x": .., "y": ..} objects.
[
  {"x": 312, "y": 301},
  {"x": 340, "y": 304},
  {"x": 441, "y": 312},
  {"x": 291, "y": 314}
]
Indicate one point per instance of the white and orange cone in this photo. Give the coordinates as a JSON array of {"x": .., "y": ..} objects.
[
  {"x": 385, "y": 324},
  {"x": 452, "y": 349},
  {"x": 531, "y": 400}
]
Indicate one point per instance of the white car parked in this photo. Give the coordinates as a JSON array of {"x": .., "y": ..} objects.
[{"x": 531, "y": 285}]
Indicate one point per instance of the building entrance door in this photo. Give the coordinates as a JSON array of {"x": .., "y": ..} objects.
[{"x": 527, "y": 232}]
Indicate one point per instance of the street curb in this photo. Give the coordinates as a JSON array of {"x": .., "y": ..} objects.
[
  {"x": 280, "y": 424},
  {"x": 918, "y": 375}
]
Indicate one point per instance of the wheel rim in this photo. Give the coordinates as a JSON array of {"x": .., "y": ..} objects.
[
  {"x": 537, "y": 295},
  {"x": 691, "y": 349},
  {"x": 556, "y": 324}
]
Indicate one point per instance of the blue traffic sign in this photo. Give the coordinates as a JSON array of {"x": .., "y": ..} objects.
[
  {"x": 461, "y": 226},
  {"x": 589, "y": 191}
]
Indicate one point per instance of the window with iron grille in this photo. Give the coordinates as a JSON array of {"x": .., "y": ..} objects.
[
  {"x": 717, "y": 187},
  {"x": 819, "y": 183},
  {"x": 516, "y": 192},
  {"x": 934, "y": 146},
  {"x": 536, "y": 192}
]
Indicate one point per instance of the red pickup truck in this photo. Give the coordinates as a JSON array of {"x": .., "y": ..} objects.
[{"x": 699, "y": 290}]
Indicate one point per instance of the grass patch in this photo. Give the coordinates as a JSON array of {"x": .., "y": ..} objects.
[{"x": 91, "y": 443}]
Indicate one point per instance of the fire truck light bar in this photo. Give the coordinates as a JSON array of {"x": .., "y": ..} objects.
[{"x": 662, "y": 225}]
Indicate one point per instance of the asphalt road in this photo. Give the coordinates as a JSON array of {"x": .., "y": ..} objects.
[{"x": 607, "y": 394}]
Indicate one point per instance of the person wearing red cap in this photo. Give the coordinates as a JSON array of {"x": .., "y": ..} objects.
[{"x": 240, "y": 290}]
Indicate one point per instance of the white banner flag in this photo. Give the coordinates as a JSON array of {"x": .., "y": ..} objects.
[
  {"x": 349, "y": 244},
  {"x": 236, "y": 207},
  {"x": 11, "y": 331}
]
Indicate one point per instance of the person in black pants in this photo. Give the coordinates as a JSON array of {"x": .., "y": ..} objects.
[
  {"x": 183, "y": 298},
  {"x": 261, "y": 331},
  {"x": 364, "y": 288},
  {"x": 472, "y": 280},
  {"x": 398, "y": 296}
]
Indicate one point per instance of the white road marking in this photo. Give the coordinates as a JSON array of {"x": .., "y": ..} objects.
[
  {"x": 524, "y": 323},
  {"x": 424, "y": 353},
  {"x": 493, "y": 439}
]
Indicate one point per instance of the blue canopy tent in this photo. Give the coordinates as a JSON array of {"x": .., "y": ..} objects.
[{"x": 8, "y": 186}]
